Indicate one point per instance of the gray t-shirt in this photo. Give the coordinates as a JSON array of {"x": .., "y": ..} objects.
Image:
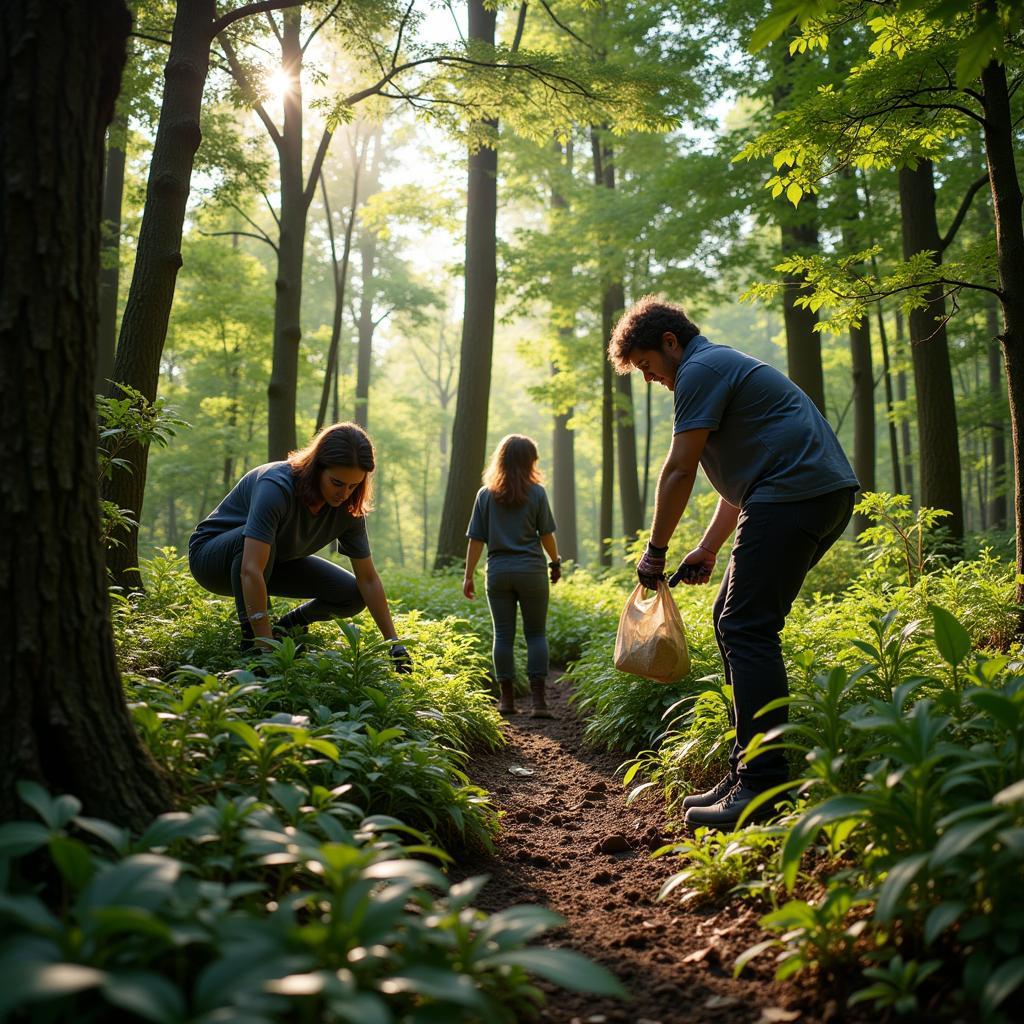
[
  {"x": 768, "y": 442},
  {"x": 265, "y": 505},
  {"x": 512, "y": 532}
]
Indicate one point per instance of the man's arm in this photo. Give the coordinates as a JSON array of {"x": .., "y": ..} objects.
[
  {"x": 675, "y": 483},
  {"x": 719, "y": 530},
  {"x": 372, "y": 592}
]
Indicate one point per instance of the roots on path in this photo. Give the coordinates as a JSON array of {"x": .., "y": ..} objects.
[{"x": 569, "y": 842}]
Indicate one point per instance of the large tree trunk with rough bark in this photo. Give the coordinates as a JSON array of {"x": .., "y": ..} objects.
[
  {"x": 1006, "y": 205},
  {"x": 938, "y": 448},
  {"x": 158, "y": 254},
  {"x": 469, "y": 431},
  {"x": 63, "y": 717},
  {"x": 110, "y": 249}
]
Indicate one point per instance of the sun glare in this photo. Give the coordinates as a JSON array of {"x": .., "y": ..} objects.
[{"x": 278, "y": 83}]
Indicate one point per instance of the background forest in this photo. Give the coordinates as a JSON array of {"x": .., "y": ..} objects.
[{"x": 426, "y": 217}]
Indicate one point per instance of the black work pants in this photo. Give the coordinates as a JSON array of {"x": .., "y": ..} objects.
[
  {"x": 216, "y": 564},
  {"x": 776, "y": 543}
]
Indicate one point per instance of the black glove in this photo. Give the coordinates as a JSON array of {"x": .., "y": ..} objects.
[
  {"x": 651, "y": 567},
  {"x": 400, "y": 659},
  {"x": 697, "y": 573},
  {"x": 556, "y": 570}
]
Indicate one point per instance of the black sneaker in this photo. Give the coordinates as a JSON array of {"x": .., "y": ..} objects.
[
  {"x": 711, "y": 796},
  {"x": 725, "y": 813}
]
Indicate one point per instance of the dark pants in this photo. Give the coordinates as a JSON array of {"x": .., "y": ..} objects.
[
  {"x": 528, "y": 591},
  {"x": 776, "y": 544},
  {"x": 216, "y": 564}
]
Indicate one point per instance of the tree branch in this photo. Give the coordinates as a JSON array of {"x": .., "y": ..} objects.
[
  {"x": 251, "y": 222},
  {"x": 520, "y": 25},
  {"x": 274, "y": 28},
  {"x": 323, "y": 21},
  {"x": 965, "y": 205},
  {"x": 565, "y": 28},
  {"x": 238, "y": 234},
  {"x": 314, "y": 170},
  {"x": 270, "y": 207},
  {"x": 227, "y": 20},
  {"x": 239, "y": 75},
  {"x": 401, "y": 32},
  {"x": 150, "y": 39}
]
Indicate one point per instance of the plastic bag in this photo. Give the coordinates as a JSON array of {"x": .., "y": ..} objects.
[{"x": 651, "y": 641}]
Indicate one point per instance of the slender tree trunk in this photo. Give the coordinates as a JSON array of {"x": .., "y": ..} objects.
[
  {"x": 158, "y": 255},
  {"x": 469, "y": 431},
  {"x": 997, "y": 508},
  {"x": 63, "y": 717},
  {"x": 172, "y": 521},
  {"x": 366, "y": 325},
  {"x": 563, "y": 482},
  {"x": 902, "y": 396},
  {"x": 340, "y": 276},
  {"x": 938, "y": 448},
  {"x": 894, "y": 447},
  {"x": 798, "y": 230},
  {"x": 1006, "y": 205},
  {"x": 110, "y": 251},
  {"x": 863, "y": 413}
]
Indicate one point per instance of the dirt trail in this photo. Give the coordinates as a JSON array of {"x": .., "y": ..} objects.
[{"x": 569, "y": 842}]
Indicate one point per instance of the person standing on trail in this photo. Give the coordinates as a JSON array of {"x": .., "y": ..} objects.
[
  {"x": 513, "y": 518},
  {"x": 786, "y": 488},
  {"x": 261, "y": 539}
]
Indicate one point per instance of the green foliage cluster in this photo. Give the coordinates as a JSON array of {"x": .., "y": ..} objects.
[{"x": 292, "y": 908}]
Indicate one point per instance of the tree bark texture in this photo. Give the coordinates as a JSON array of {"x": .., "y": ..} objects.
[
  {"x": 938, "y": 448},
  {"x": 563, "y": 484},
  {"x": 63, "y": 718},
  {"x": 1006, "y": 206},
  {"x": 998, "y": 504},
  {"x": 158, "y": 254},
  {"x": 469, "y": 430},
  {"x": 863, "y": 413},
  {"x": 110, "y": 248},
  {"x": 284, "y": 373},
  {"x": 366, "y": 325}
]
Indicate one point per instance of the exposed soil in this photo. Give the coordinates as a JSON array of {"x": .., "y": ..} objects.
[{"x": 569, "y": 842}]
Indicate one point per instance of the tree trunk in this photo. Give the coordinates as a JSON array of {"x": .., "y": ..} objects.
[
  {"x": 563, "y": 484},
  {"x": 938, "y": 449},
  {"x": 110, "y": 249},
  {"x": 894, "y": 447},
  {"x": 863, "y": 413},
  {"x": 902, "y": 397},
  {"x": 997, "y": 506},
  {"x": 469, "y": 431},
  {"x": 63, "y": 718},
  {"x": 367, "y": 325},
  {"x": 284, "y": 374},
  {"x": 1006, "y": 205},
  {"x": 172, "y": 521},
  {"x": 798, "y": 229},
  {"x": 158, "y": 256}
]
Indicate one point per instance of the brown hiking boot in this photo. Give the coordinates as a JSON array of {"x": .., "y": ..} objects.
[
  {"x": 540, "y": 705},
  {"x": 507, "y": 699}
]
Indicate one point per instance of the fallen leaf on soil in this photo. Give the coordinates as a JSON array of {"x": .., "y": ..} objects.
[
  {"x": 697, "y": 954},
  {"x": 720, "y": 1002},
  {"x": 777, "y": 1015},
  {"x": 519, "y": 770}
]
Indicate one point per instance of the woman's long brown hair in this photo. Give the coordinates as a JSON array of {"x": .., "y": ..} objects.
[
  {"x": 513, "y": 469},
  {"x": 342, "y": 444}
]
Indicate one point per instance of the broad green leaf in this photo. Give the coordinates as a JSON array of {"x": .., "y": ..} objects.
[
  {"x": 940, "y": 918},
  {"x": 900, "y": 876},
  {"x": 73, "y": 860},
  {"x": 810, "y": 824},
  {"x": 952, "y": 640},
  {"x": 435, "y": 983},
  {"x": 20, "y": 837},
  {"x": 1004, "y": 981},
  {"x": 1012, "y": 794},
  {"x": 56, "y": 812},
  {"x": 563, "y": 967},
  {"x": 146, "y": 994}
]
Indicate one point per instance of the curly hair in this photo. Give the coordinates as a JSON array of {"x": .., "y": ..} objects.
[
  {"x": 642, "y": 326},
  {"x": 341, "y": 444},
  {"x": 512, "y": 470}
]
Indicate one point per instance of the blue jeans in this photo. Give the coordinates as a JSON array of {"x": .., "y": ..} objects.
[
  {"x": 529, "y": 591},
  {"x": 216, "y": 564},
  {"x": 776, "y": 544}
]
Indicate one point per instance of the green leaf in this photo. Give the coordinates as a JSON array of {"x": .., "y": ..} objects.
[
  {"x": 962, "y": 837},
  {"x": 30, "y": 913},
  {"x": 977, "y": 50},
  {"x": 56, "y": 812},
  {"x": 436, "y": 983},
  {"x": 940, "y": 918},
  {"x": 20, "y": 837},
  {"x": 115, "y": 836},
  {"x": 43, "y": 981},
  {"x": 563, "y": 967},
  {"x": 810, "y": 824},
  {"x": 73, "y": 860},
  {"x": 771, "y": 27},
  {"x": 997, "y": 706},
  {"x": 146, "y": 994},
  {"x": 143, "y": 880},
  {"x": 1012, "y": 794},
  {"x": 246, "y": 733},
  {"x": 518, "y": 925},
  {"x": 1004, "y": 981},
  {"x": 900, "y": 876},
  {"x": 952, "y": 640}
]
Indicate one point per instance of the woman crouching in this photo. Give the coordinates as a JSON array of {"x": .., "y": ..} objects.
[{"x": 260, "y": 540}]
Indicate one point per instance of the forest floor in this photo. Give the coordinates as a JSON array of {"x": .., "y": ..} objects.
[{"x": 569, "y": 842}]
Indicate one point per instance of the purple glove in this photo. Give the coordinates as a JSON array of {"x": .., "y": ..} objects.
[
  {"x": 555, "y": 570},
  {"x": 651, "y": 567}
]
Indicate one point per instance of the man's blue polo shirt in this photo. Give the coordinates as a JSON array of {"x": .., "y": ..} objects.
[{"x": 768, "y": 442}]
